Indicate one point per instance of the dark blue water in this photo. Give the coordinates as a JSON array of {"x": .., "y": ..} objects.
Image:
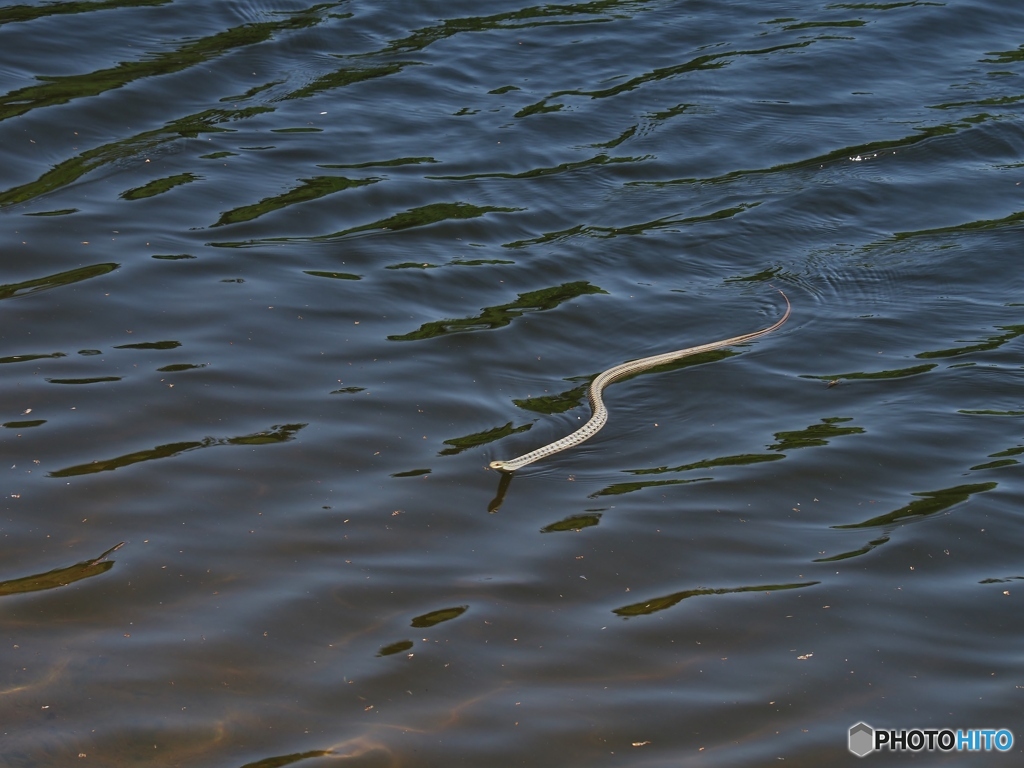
[{"x": 278, "y": 281}]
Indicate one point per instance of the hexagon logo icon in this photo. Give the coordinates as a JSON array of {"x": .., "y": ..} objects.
[{"x": 862, "y": 739}]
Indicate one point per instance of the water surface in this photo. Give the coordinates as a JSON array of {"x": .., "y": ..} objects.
[{"x": 278, "y": 281}]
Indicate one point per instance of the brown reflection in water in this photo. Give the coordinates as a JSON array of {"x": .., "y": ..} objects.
[
  {"x": 90, "y": 380},
  {"x": 151, "y": 345},
  {"x": 60, "y": 577},
  {"x": 436, "y": 617},
  {"x": 393, "y": 648},
  {"x": 360, "y": 752},
  {"x": 575, "y": 523},
  {"x": 412, "y": 473},
  {"x": 504, "y": 481},
  {"x": 37, "y": 423},
  {"x": 277, "y": 762}
]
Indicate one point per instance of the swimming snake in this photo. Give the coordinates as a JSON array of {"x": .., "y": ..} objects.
[{"x": 600, "y": 412}]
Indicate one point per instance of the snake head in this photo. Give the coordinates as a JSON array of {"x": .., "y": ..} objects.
[{"x": 500, "y": 466}]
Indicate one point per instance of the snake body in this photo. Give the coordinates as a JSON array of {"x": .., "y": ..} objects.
[{"x": 600, "y": 412}]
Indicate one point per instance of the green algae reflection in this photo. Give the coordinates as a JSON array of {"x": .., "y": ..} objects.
[
  {"x": 62, "y": 89},
  {"x": 309, "y": 189},
  {"x": 539, "y": 172},
  {"x": 434, "y": 618},
  {"x": 276, "y": 434},
  {"x": 331, "y": 275},
  {"x": 896, "y": 373},
  {"x": 989, "y": 412},
  {"x": 11, "y": 290},
  {"x": 150, "y": 345},
  {"x": 460, "y": 444},
  {"x": 74, "y": 168},
  {"x": 393, "y": 648},
  {"x": 575, "y": 523},
  {"x": 14, "y": 13},
  {"x": 452, "y": 263},
  {"x": 344, "y": 77},
  {"x": 853, "y": 553},
  {"x": 842, "y": 154},
  {"x": 702, "y": 62},
  {"x": 1010, "y": 332},
  {"x": 996, "y": 464},
  {"x": 87, "y": 380},
  {"x": 177, "y": 367},
  {"x": 573, "y": 398},
  {"x": 552, "y": 404},
  {"x": 661, "y": 603},
  {"x": 738, "y": 460},
  {"x": 814, "y": 435},
  {"x": 521, "y": 18},
  {"x": 616, "y": 489},
  {"x": 412, "y": 473},
  {"x": 59, "y": 577},
  {"x": 929, "y": 503},
  {"x": 431, "y": 619},
  {"x": 600, "y": 231},
  {"x": 422, "y": 216},
  {"x": 159, "y": 186},
  {"x": 1003, "y": 458},
  {"x": 29, "y": 358},
  {"x": 491, "y": 318}
]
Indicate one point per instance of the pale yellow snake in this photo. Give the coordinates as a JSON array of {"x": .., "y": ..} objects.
[{"x": 600, "y": 412}]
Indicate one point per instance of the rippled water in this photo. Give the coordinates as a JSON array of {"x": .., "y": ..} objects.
[{"x": 281, "y": 280}]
